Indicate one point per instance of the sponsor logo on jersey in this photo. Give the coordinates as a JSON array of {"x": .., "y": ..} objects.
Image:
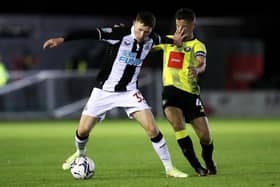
[
  {"x": 176, "y": 60},
  {"x": 129, "y": 57},
  {"x": 107, "y": 29}
]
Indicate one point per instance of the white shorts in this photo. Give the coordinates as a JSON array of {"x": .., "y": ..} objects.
[{"x": 101, "y": 101}]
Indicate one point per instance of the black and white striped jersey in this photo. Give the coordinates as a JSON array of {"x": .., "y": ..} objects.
[{"x": 124, "y": 56}]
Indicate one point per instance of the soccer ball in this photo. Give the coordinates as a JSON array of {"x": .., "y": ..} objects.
[{"x": 82, "y": 168}]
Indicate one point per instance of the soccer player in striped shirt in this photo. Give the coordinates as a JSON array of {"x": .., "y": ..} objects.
[{"x": 116, "y": 84}]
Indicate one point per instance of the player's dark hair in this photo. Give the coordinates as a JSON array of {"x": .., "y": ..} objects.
[
  {"x": 186, "y": 14},
  {"x": 147, "y": 18}
]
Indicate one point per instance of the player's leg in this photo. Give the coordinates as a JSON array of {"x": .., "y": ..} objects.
[
  {"x": 81, "y": 139},
  {"x": 82, "y": 133},
  {"x": 176, "y": 118},
  {"x": 146, "y": 119},
  {"x": 95, "y": 110},
  {"x": 201, "y": 128}
]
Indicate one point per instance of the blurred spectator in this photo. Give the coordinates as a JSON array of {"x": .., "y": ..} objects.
[
  {"x": 78, "y": 62},
  {"x": 4, "y": 74},
  {"x": 24, "y": 61},
  {"x": 4, "y": 78}
]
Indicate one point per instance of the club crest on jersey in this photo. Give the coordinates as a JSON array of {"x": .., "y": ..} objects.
[
  {"x": 187, "y": 49},
  {"x": 129, "y": 57}
]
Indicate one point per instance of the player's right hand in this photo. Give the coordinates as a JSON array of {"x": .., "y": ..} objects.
[
  {"x": 179, "y": 36},
  {"x": 53, "y": 42}
]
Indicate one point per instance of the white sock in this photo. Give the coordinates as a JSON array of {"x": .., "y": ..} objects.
[
  {"x": 161, "y": 149},
  {"x": 81, "y": 145}
]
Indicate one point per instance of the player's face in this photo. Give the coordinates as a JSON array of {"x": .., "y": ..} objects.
[
  {"x": 141, "y": 31},
  {"x": 187, "y": 26}
]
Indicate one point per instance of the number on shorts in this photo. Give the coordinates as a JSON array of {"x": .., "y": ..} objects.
[
  {"x": 138, "y": 97},
  {"x": 198, "y": 102}
]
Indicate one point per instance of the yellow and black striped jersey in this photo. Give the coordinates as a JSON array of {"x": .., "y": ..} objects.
[{"x": 176, "y": 61}]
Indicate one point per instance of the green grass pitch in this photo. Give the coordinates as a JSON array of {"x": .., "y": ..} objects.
[{"x": 247, "y": 152}]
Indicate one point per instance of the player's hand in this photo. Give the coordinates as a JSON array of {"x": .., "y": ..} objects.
[
  {"x": 53, "y": 42},
  {"x": 193, "y": 72},
  {"x": 179, "y": 36}
]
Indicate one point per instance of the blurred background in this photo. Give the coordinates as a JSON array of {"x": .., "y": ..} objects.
[{"x": 241, "y": 79}]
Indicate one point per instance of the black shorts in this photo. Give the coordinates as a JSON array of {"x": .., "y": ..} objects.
[{"x": 190, "y": 104}]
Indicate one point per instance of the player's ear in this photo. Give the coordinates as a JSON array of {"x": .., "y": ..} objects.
[{"x": 193, "y": 25}]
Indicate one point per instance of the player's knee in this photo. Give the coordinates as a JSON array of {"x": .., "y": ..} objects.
[
  {"x": 152, "y": 130},
  {"x": 205, "y": 139},
  {"x": 178, "y": 126},
  {"x": 84, "y": 131}
]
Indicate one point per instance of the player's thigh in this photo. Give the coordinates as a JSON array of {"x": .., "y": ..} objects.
[{"x": 175, "y": 116}]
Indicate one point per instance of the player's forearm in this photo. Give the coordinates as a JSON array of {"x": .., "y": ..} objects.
[{"x": 201, "y": 68}]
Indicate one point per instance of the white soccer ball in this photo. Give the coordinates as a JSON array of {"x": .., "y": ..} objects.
[{"x": 82, "y": 168}]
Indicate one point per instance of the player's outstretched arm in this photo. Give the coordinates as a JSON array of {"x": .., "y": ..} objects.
[{"x": 53, "y": 42}]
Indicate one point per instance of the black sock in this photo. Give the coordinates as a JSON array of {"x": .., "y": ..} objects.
[
  {"x": 157, "y": 138},
  {"x": 188, "y": 150},
  {"x": 207, "y": 151},
  {"x": 81, "y": 138}
]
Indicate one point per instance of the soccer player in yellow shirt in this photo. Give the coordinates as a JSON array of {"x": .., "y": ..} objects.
[{"x": 183, "y": 63}]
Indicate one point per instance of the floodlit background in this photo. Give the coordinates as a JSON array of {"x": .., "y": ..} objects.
[
  {"x": 43, "y": 92},
  {"x": 241, "y": 79}
]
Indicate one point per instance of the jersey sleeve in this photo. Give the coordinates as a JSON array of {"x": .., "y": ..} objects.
[
  {"x": 113, "y": 33},
  {"x": 200, "y": 49},
  {"x": 102, "y": 33},
  {"x": 157, "y": 47},
  {"x": 161, "y": 41}
]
